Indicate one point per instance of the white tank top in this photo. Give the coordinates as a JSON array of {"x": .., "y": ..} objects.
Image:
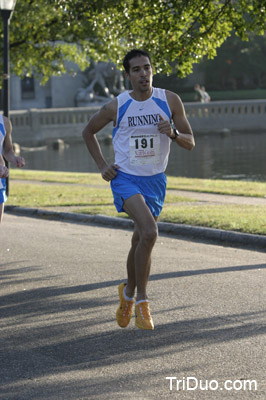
[{"x": 140, "y": 149}]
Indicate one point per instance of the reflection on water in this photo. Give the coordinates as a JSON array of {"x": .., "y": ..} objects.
[{"x": 235, "y": 156}]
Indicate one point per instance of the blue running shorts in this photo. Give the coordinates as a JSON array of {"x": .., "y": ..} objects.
[
  {"x": 3, "y": 197},
  {"x": 152, "y": 189}
]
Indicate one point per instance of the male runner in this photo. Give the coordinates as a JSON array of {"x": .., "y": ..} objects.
[
  {"x": 6, "y": 150},
  {"x": 142, "y": 134}
]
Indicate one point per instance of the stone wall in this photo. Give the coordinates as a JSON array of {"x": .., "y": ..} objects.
[
  {"x": 38, "y": 126},
  {"x": 219, "y": 116}
]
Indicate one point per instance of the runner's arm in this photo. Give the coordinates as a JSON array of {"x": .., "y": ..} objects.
[
  {"x": 185, "y": 138},
  {"x": 8, "y": 151},
  {"x": 97, "y": 122}
]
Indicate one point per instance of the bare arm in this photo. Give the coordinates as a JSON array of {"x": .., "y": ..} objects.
[
  {"x": 3, "y": 169},
  {"x": 8, "y": 152},
  {"x": 97, "y": 122},
  {"x": 185, "y": 138}
]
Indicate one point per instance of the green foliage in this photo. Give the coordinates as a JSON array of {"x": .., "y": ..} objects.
[
  {"x": 238, "y": 64},
  {"x": 46, "y": 33}
]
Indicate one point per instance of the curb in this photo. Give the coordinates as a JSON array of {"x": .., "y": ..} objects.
[{"x": 216, "y": 236}]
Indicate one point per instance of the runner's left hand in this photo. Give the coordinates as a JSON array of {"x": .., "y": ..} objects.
[{"x": 164, "y": 127}]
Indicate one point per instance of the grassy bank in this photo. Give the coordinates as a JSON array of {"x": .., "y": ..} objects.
[{"x": 88, "y": 193}]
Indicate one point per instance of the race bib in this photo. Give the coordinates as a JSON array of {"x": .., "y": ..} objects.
[{"x": 145, "y": 149}]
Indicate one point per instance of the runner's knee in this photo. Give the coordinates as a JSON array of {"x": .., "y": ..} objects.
[
  {"x": 149, "y": 234},
  {"x": 135, "y": 239}
]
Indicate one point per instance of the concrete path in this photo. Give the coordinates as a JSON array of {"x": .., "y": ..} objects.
[{"x": 59, "y": 338}]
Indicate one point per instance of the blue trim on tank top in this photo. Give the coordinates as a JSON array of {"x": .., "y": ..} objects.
[
  {"x": 163, "y": 105},
  {"x": 121, "y": 112}
]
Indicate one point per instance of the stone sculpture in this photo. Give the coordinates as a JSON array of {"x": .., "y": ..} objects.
[{"x": 105, "y": 82}]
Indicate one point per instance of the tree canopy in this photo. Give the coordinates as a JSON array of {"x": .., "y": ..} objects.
[
  {"x": 44, "y": 34},
  {"x": 238, "y": 64}
]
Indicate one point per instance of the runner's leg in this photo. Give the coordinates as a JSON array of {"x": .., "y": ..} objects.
[
  {"x": 143, "y": 240},
  {"x": 131, "y": 281},
  {"x": 1, "y": 211}
]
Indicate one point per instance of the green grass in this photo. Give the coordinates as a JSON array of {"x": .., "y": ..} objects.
[
  {"x": 245, "y": 218},
  {"x": 229, "y": 187},
  {"x": 57, "y": 176},
  {"x": 88, "y": 193},
  {"x": 238, "y": 188},
  {"x": 37, "y": 195}
]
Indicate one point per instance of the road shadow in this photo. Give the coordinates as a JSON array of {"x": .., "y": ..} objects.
[
  {"x": 43, "y": 336},
  {"x": 33, "y": 300}
]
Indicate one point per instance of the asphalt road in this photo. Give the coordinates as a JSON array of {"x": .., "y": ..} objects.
[{"x": 58, "y": 333}]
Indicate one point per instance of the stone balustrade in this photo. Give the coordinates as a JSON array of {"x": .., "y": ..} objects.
[
  {"x": 37, "y": 126},
  {"x": 219, "y": 116}
]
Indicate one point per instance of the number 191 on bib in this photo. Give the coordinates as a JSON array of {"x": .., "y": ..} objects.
[{"x": 144, "y": 149}]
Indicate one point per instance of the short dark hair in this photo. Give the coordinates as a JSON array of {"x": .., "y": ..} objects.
[{"x": 132, "y": 54}]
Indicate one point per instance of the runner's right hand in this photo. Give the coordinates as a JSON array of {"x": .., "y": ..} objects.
[
  {"x": 109, "y": 172},
  {"x": 4, "y": 172}
]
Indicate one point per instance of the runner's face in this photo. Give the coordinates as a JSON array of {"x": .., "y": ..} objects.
[{"x": 140, "y": 74}]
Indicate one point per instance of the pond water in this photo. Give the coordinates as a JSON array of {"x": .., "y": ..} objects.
[{"x": 228, "y": 156}]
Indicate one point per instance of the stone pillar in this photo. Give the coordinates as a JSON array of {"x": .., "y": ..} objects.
[
  {"x": 15, "y": 93},
  {"x": 35, "y": 124}
]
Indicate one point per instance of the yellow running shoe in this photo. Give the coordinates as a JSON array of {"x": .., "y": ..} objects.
[
  {"x": 143, "y": 316},
  {"x": 125, "y": 309}
]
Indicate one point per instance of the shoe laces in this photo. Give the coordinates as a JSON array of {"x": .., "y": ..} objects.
[
  {"x": 127, "y": 308},
  {"x": 144, "y": 311}
]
